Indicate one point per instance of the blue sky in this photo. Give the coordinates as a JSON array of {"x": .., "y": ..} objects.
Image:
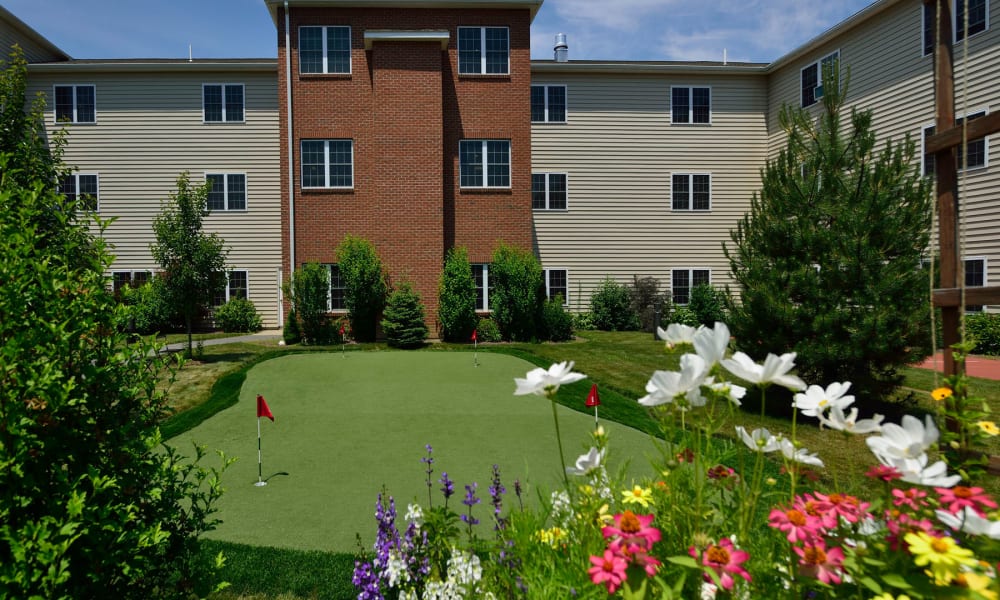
[{"x": 750, "y": 30}]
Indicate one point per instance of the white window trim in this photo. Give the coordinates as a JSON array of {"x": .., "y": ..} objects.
[
  {"x": 224, "y": 119},
  {"x": 485, "y": 165},
  {"x": 690, "y": 176},
  {"x": 326, "y": 55},
  {"x": 548, "y": 294},
  {"x": 547, "y": 203},
  {"x": 326, "y": 165},
  {"x": 986, "y": 275},
  {"x": 228, "y": 271},
  {"x": 546, "y": 87},
  {"x": 74, "y": 121},
  {"x": 329, "y": 290},
  {"x": 486, "y": 285},
  {"x": 954, "y": 26},
  {"x": 690, "y": 271},
  {"x": 225, "y": 190},
  {"x": 76, "y": 184},
  {"x": 986, "y": 154},
  {"x": 819, "y": 76},
  {"x": 482, "y": 50},
  {"x": 690, "y": 89}
]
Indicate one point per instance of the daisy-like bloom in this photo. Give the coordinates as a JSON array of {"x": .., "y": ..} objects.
[
  {"x": 815, "y": 401},
  {"x": 795, "y": 524},
  {"x": 721, "y": 472},
  {"x": 815, "y": 560},
  {"x": 637, "y": 495},
  {"x": 912, "y": 498},
  {"x": 981, "y": 584},
  {"x": 969, "y": 521},
  {"x": 774, "y": 370},
  {"x": 941, "y": 554},
  {"x": 587, "y": 463},
  {"x": 988, "y": 427},
  {"x": 900, "y": 524},
  {"x": 910, "y": 440},
  {"x": 835, "y": 419},
  {"x": 725, "y": 560},
  {"x": 821, "y": 510},
  {"x": 799, "y": 455},
  {"x": 889, "y": 596},
  {"x": 550, "y": 537},
  {"x": 711, "y": 344},
  {"x": 883, "y": 472},
  {"x": 960, "y": 496},
  {"x": 941, "y": 394},
  {"x": 543, "y": 382},
  {"x": 677, "y": 333},
  {"x": 916, "y": 470},
  {"x": 669, "y": 386},
  {"x": 608, "y": 569},
  {"x": 734, "y": 393},
  {"x": 845, "y": 506},
  {"x": 633, "y": 530},
  {"x": 760, "y": 440}
]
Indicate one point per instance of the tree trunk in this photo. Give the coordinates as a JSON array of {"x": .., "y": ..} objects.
[{"x": 187, "y": 323}]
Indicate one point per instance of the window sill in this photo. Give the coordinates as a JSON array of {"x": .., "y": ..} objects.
[
  {"x": 324, "y": 191},
  {"x": 485, "y": 190},
  {"x": 67, "y": 123},
  {"x": 672, "y": 124},
  {"x": 307, "y": 76},
  {"x": 224, "y": 122},
  {"x": 691, "y": 210},
  {"x": 550, "y": 210},
  {"x": 223, "y": 211},
  {"x": 549, "y": 122},
  {"x": 489, "y": 76}
]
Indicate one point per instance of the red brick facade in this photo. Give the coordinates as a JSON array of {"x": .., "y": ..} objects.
[{"x": 406, "y": 108}]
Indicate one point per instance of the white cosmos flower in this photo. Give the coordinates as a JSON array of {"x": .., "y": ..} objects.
[
  {"x": 910, "y": 440},
  {"x": 916, "y": 470},
  {"x": 969, "y": 521},
  {"x": 677, "y": 333},
  {"x": 799, "y": 455},
  {"x": 835, "y": 419},
  {"x": 711, "y": 344},
  {"x": 815, "y": 400},
  {"x": 734, "y": 393},
  {"x": 760, "y": 440},
  {"x": 587, "y": 462},
  {"x": 774, "y": 370},
  {"x": 542, "y": 383},
  {"x": 666, "y": 386}
]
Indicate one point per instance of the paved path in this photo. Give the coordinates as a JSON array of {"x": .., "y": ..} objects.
[
  {"x": 261, "y": 336},
  {"x": 985, "y": 367}
]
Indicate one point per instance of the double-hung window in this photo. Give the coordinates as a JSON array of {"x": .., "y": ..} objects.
[
  {"x": 336, "y": 294},
  {"x": 975, "y": 276},
  {"x": 126, "y": 279},
  {"x": 548, "y": 191},
  {"x": 325, "y": 50},
  {"x": 813, "y": 77},
  {"x": 327, "y": 163},
  {"x": 76, "y": 104},
  {"x": 237, "y": 287},
  {"x": 979, "y": 21},
  {"x": 81, "y": 187},
  {"x": 976, "y": 154},
  {"x": 691, "y": 191},
  {"x": 222, "y": 102},
  {"x": 556, "y": 284},
  {"x": 228, "y": 192},
  {"x": 682, "y": 281},
  {"x": 690, "y": 105},
  {"x": 484, "y": 163},
  {"x": 481, "y": 275},
  {"x": 483, "y": 51},
  {"x": 548, "y": 104}
]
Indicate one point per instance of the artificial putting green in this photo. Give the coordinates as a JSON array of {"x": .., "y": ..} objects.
[{"x": 347, "y": 425}]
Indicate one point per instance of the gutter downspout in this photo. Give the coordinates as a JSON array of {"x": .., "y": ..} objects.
[{"x": 291, "y": 157}]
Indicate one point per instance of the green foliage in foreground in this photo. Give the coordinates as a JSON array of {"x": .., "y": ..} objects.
[{"x": 256, "y": 570}]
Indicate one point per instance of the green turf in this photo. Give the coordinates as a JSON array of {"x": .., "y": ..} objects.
[{"x": 347, "y": 425}]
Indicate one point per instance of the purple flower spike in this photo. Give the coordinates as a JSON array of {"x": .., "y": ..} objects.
[
  {"x": 447, "y": 487},
  {"x": 470, "y": 495}
]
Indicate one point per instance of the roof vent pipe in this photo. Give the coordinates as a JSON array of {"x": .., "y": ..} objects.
[{"x": 562, "y": 50}]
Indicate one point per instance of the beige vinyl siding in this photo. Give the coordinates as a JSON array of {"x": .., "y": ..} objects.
[
  {"x": 619, "y": 150},
  {"x": 890, "y": 76},
  {"x": 33, "y": 52},
  {"x": 149, "y": 129}
]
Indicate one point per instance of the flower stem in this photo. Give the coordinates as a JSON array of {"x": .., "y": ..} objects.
[{"x": 562, "y": 460}]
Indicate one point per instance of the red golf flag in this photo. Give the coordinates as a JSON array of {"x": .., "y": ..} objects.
[
  {"x": 341, "y": 329},
  {"x": 262, "y": 408},
  {"x": 593, "y": 398},
  {"x": 474, "y": 338}
]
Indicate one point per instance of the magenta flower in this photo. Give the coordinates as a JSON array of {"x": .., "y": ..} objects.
[
  {"x": 912, "y": 498},
  {"x": 725, "y": 560},
  {"x": 960, "y": 496},
  {"x": 846, "y": 506},
  {"x": 608, "y": 569},
  {"x": 633, "y": 530},
  {"x": 816, "y": 561},
  {"x": 795, "y": 524},
  {"x": 900, "y": 524},
  {"x": 822, "y": 510},
  {"x": 636, "y": 554},
  {"x": 884, "y": 472}
]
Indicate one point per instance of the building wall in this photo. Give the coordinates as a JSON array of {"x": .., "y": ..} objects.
[{"x": 11, "y": 33}]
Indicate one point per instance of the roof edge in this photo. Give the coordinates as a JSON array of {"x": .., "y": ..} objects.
[
  {"x": 532, "y": 5},
  {"x": 27, "y": 30},
  {"x": 159, "y": 65},
  {"x": 646, "y": 68}
]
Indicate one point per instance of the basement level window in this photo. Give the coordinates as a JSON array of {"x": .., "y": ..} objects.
[{"x": 483, "y": 51}]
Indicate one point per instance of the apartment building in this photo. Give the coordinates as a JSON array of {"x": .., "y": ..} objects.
[{"x": 425, "y": 125}]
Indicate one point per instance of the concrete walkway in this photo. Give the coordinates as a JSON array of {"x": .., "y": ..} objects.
[
  {"x": 984, "y": 367},
  {"x": 265, "y": 335}
]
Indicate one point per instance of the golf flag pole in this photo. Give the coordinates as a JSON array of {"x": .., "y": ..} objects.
[
  {"x": 263, "y": 410},
  {"x": 475, "y": 346},
  {"x": 594, "y": 399}
]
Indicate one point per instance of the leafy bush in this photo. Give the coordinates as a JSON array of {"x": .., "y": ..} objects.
[
  {"x": 681, "y": 313},
  {"x": 611, "y": 306},
  {"x": 583, "y": 321},
  {"x": 708, "y": 304},
  {"x": 149, "y": 310},
  {"x": 403, "y": 322},
  {"x": 292, "y": 334},
  {"x": 365, "y": 285},
  {"x": 309, "y": 289},
  {"x": 239, "y": 316},
  {"x": 646, "y": 300},
  {"x": 557, "y": 324},
  {"x": 457, "y": 297},
  {"x": 488, "y": 331},
  {"x": 984, "y": 328},
  {"x": 518, "y": 292}
]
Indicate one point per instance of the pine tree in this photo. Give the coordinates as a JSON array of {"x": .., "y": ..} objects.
[
  {"x": 403, "y": 322},
  {"x": 828, "y": 258}
]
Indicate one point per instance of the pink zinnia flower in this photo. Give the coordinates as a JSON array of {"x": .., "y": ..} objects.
[
  {"x": 816, "y": 561},
  {"x": 632, "y": 529},
  {"x": 913, "y": 497},
  {"x": 846, "y": 506},
  {"x": 636, "y": 554},
  {"x": 884, "y": 472},
  {"x": 900, "y": 524},
  {"x": 797, "y": 525},
  {"x": 960, "y": 496},
  {"x": 725, "y": 561},
  {"x": 820, "y": 509},
  {"x": 608, "y": 569}
]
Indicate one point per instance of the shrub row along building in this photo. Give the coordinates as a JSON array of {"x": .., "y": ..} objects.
[{"x": 423, "y": 125}]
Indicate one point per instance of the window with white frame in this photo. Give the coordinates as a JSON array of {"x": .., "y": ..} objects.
[
  {"x": 557, "y": 284},
  {"x": 548, "y": 104},
  {"x": 76, "y": 104},
  {"x": 548, "y": 191},
  {"x": 483, "y": 51},
  {"x": 222, "y": 102},
  {"x": 691, "y": 191},
  {"x": 975, "y": 276},
  {"x": 228, "y": 192},
  {"x": 481, "y": 275},
  {"x": 325, "y": 50},
  {"x": 682, "y": 281},
  {"x": 484, "y": 163},
  {"x": 813, "y": 76},
  {"x": 237, "y": 287},
  {"x": 128, "y": 279},
  {"x": 81, "y": 187},
  {"x": 690, "y": 105},
  {"x": 979, "y": 21},
  {"x": 327, "y": 163},
  {"x": 336, "y": 293},
  {"x": 976, "y": 154}
]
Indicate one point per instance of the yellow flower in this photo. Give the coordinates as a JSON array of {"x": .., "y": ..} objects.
[
  {"x": 550, "y": 536},
  {"x": 888, "y": 596},
  {"x": 603, "y": 516},
  {"x": 941, "y": 393},
  {"x": 942, "y": 554},
  {"x": 638, "y": 495},
  {"x": 989, "y": 427},
  {"x": 977, "y": 583}
]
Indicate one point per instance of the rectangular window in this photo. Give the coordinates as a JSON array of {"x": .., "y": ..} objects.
[
  {"x": 684, "y": 280},
  {"x": 237, "y": 287},
  {"x": 325, "y": 50},
  {"x": 548, "y": 191},
  {"x": 690, "y": 105},
  {"x": 327, "y": 163},
  {"x": 979, "y": 21},
  {"x": 977, "y": 150},
  {"x": 76, "y": 104},
  {"x": 335, "y": 299},
  {"x": 975, "y": 276},
  {"x": 557, "y": 284},
  {"x": 813, "y": 75},
  {"x": 229, "y": 191},
  {"x": 124, "y": 279},
  {"x": 548, "y": 104},
  {"x": 82, "y": 187},
  {"x": 483, "y": 51},
  {"x": 481, "y": 275},
  {"x": 691, "y": 191},
  {"x": 222, "y": 102},
  {"x": 484, "y": 163}
]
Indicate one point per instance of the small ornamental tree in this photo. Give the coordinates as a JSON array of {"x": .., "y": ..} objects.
[
  {"x": 611, "y": 306},
  {"x": 457, "y": 297},
  {"x": 517, "y": 294},
  {"x": 365, "y": 285},
  {"x": 310, "y": 289},
  {"x": 193, "y": 262},
  {"x": 403, "y": 322},
  {"x": 828, "y": 256}
]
